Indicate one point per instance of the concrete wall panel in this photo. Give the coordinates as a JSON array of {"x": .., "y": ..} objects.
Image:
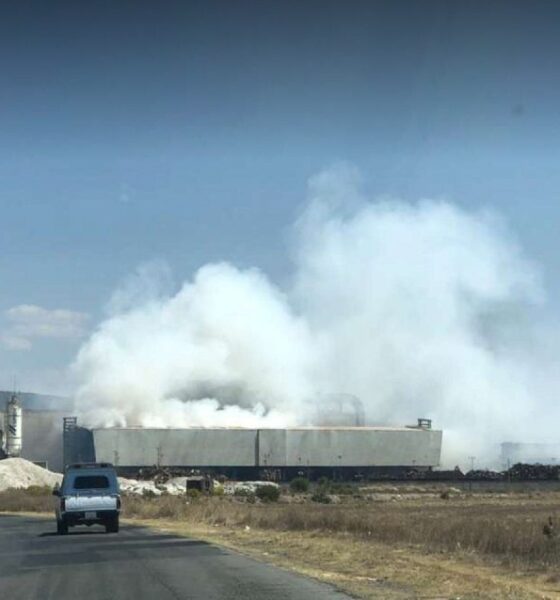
[
  {"x": 362, "y": 447},
  {"x": 176, "y": 447}
]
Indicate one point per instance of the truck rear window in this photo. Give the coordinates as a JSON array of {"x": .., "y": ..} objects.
[{"x": 91, "y": 482}]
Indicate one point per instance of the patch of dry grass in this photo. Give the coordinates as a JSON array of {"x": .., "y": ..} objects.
[
  {"x": 510, "y": 529},
  {"x": 32, "y": 499},
  {"x": 372, "y": 570},
  {"x": 511, "y": 533}
]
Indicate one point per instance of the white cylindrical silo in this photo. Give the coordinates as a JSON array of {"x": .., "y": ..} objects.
[{"x": 13, "y": 427}]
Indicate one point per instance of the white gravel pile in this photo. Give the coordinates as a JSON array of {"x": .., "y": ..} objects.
[
  {"x": 248, "y": 487},
  {"x": 176, "y": 486},
  {"x": 135, "y": 486},
  {"x": 20, "y": 473}
]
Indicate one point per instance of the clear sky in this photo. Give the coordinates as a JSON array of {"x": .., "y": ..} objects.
[{"x": 186, "y": 131}]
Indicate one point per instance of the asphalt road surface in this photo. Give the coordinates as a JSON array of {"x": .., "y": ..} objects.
[{"x": 135, "y": 564}]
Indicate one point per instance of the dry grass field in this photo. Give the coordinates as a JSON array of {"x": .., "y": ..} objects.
[
  {"x": 511, "y": 529},
  {"x": 416, "y": 543}
]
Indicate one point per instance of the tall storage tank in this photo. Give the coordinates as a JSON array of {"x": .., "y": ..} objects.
[{"x": 13, "y": 427}]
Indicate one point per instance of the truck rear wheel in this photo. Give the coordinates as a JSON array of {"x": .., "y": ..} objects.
[
  {"x": 61, "y": 527},
  {"x": 112, "y": 526}
]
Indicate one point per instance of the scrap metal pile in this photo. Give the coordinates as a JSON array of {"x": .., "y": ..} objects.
[
  {"x": 518, "y": 472},
  {"x": 523, "y": 472}
]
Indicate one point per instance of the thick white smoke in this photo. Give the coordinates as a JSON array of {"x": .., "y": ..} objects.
[{"x": 420, "y": 309}]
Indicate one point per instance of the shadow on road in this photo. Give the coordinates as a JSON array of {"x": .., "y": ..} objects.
[{"x": 70, "y": 533}]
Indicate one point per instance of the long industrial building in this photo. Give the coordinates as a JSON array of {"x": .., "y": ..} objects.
[
  {"x": 248, "y": 453},
  {"x": 36, "y": 427}
]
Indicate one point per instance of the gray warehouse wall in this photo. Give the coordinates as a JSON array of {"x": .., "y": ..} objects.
[
  {"x": 176, "y": 447},
  {"x": 354, "y": 447},
  {"x": 317, "y": 447},
  {"x": 42, "y": 437}
]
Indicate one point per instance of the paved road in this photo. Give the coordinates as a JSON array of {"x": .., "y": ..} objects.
[{"x": 137, "y": 563}]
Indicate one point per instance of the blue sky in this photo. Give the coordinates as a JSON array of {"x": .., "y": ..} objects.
[{"x": 186, "y": 131}]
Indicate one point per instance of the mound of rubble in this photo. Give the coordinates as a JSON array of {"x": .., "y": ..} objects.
[
  {"x": 174, "y": 486},
  {"x": 245, "y": 487},
  {"x": 177, "y": 486},
  {"x": 536, "y": 472},
  {"x": 18, "y": 473}
]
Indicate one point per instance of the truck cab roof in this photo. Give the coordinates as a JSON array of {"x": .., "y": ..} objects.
[{"x": 98, "y": 478}]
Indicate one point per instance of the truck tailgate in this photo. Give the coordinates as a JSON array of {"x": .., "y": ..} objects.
[{"x": 90, "y": 503}]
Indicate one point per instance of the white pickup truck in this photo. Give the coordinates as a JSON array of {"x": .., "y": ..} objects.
[{"x": 89, "y": 495}]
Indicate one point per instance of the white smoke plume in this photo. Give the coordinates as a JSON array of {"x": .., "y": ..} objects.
[{"x": 419, "y": 309}]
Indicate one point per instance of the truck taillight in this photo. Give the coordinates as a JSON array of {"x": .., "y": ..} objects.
[
  {"x": 63, "y": 504},
  {"x": 118, "y": 502}
]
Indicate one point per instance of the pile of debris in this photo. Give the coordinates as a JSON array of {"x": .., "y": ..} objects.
[
  {"x": 18, "y": 473},
  {"x": 240, "y": 488},
  {"x": 443, "y": 475},
  {"x": 518, "y": 472},
  {"x": 525, "y": 472},
  {"x": 484, "y": 475},
  {"x": 175, "y": 486},
  {"x": 139, "y": 487}
]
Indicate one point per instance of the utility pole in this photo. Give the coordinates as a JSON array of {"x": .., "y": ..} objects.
[{"x": 472, "y": 459}]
